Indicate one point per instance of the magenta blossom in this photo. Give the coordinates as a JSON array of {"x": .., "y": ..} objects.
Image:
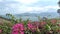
[
  {"x": 31, "y": 27},
  {"x": 18, "y": 28},
  {"x": 0, "y": 31},
  {"x": 42, "y": 23},
  {"x": 53, "y": 21}
]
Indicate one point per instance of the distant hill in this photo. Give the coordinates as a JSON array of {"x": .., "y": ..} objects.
[
  {"x": 43, "y": 14},
  {"x": 33, "y": 16}
]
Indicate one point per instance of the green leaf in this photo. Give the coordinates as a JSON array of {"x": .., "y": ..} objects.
[{"x": 47, "y": 27}]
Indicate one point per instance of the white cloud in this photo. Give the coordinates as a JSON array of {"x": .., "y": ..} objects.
[
  {"x": 12, "y": 5},
  {"x": 53, "y": 7},
  {"x": 27, "y": 9},
  {"x": 27, "y": 1},
  {"x": 24, "y": 9}
]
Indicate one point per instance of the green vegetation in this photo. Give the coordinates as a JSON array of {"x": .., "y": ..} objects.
[{"x": 47, "y": 26}]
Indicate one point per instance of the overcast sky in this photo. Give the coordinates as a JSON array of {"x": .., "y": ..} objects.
[{"x": 23, "y": 6}]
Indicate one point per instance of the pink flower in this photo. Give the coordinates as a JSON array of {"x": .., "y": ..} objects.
[
  {"x": 58, "y": 30},
  {"x": 36, "y": 23},
  {"x": 42, "y": 23},
  {"x": 15, "y": 32},
  {"x": 0, "y": 31},
  {"x": 53, "y": 21},
  {"x": 22, "y": 32},
  {"x": 58, "y": 24},
  {"x": 18, "y": 28},
  {"x": 31, "y": 27}
]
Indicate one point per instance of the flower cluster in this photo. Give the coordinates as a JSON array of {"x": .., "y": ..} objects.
[
  {"x": 53, "y": 21},
  {"x": 18, "y": 28},
  {"x": 31, "y": 27},
  {"x": 0, "y": 31}
]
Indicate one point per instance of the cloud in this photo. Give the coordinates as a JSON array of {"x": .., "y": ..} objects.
[
  {"x": 53, "y": 7},
  {"x": 26, "y": 1},
  {"x": 30, "y": 5},
  {"x": 24, "y": 9},
  {"x": 38, "y": 8},
  {"x": 26, "y": 6}
]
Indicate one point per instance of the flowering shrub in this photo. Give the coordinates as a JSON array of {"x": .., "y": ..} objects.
[{"x": 47, "y": 26}]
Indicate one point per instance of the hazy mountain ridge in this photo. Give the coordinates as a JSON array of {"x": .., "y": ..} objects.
[
  {"x": 39, "y": 14},
  {"x": 33, "y": 16},
  {"x": 43, "y": 14}
]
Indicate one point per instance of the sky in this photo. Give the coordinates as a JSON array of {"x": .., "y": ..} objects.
[{"x": 28, "y": 6}]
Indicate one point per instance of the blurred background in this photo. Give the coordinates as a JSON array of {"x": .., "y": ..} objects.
[{"x": 29, "y": 9}]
